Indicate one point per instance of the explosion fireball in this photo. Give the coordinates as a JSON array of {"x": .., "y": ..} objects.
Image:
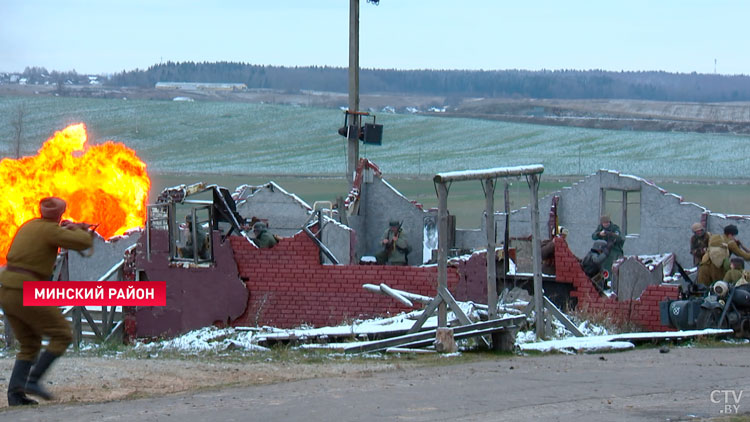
[{"x": 103, "y": 184}]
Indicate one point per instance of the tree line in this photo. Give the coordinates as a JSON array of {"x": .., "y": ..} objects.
[{"x": 557, "y": 84}]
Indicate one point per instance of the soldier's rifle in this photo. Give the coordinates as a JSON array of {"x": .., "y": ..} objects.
[{"x": 391, "y": 245}]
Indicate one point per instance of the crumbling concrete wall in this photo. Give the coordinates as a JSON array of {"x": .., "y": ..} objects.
[
  {"x": 665, "y": 218},
  {"x": 286, "y": 213},
  {"x": 339, "y": 239},
  {"x": 632, "y": 277},
  {"x": 379, "y": 203}
]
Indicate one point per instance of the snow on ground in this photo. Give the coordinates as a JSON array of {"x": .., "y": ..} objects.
[
  {"x": 596, "y": 339},
  {"x": 613, "y": 342},
  {"x": 207, "y": 339},
  {"x": 246, "y": 339}
]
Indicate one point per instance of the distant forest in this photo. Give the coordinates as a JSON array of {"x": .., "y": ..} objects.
[{"x": 557, "y": 84}]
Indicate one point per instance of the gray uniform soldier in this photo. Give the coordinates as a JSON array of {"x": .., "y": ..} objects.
[{"x": 395, "y": 246}]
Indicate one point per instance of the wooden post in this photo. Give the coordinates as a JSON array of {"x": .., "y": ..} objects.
[
  {"x": 624, "y": 222},
  {"x": 444, "y": 341},
  {"x": 536, "y": 247},
  {"x": 489, "y": 193},
  {"x": 442, "y": 192},
  {"x": 506, "y": 236},
  {"x": 506, "y": 340},
  {"x": 77, "y": 330},
  {"x": 352, "y": 145}
]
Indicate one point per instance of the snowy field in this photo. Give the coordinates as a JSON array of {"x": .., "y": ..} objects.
[{"x": 244, "y": 138}]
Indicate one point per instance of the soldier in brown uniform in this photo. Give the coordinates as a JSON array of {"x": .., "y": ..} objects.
[
  {"x": 698, "y": 243},
  {"x": 31, "y": 257},
  {"x": 715, "y": 262}
]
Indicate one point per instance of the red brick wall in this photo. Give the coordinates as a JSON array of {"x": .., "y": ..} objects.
[
  {"x": 289, "y": 287},
  {"x": 643, "y": 311}
]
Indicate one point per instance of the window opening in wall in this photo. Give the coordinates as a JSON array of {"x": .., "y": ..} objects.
[
  {"x": 190, "y": 235},
  {"x": 624, "y": 207}
]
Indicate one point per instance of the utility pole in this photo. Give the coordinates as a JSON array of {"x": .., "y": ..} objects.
[{"x": 352, "y": 143}]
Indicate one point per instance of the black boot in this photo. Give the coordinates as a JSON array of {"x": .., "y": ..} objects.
[
  {"x": 16, "y": 395},
  {"x": 37, "y": 372}
]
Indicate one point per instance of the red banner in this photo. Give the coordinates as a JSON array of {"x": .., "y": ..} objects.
[{"x": 94, "y": 293}]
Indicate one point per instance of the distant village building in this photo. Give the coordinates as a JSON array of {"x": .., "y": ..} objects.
[{"x": 201, "y": 86}]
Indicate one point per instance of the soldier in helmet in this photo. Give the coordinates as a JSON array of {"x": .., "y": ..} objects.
[
  {"x": 698, "y": 242},
  {"x": 610, "y": 233},
  {"x": 31, "y": 257},
  {"x": 395, "y": 246},
  {"x": 263, "y": 239}
]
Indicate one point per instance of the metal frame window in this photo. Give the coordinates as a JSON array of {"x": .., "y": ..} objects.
[{"x": 624, "y": 206}]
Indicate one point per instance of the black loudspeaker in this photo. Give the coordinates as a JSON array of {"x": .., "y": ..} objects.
[{"x": 372, "y": 134}]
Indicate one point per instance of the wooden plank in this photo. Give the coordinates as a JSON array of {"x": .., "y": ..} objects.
[
  {"x": 562, "y": 318},
  {"x": 430, "y": 334},
  {"x": 491, "y": 173},
  {"x": 77, "y": 335},
  {"x": 451, "y": 302},
  {"x": 92, "y": 324},
  {"x": 428, "y": 311},
  {"x": 111, "y": 320},
  {"x": 463, "y": 336},
  {"x": 116, "y": 331}
]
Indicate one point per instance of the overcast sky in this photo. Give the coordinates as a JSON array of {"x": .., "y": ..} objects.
[{"x": 114, "y": 35}]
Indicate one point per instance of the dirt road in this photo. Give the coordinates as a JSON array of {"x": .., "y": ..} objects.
[{"x": 640, "y": 385}]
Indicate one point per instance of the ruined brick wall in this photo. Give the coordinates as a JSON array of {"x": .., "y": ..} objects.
[
  {"x": 472, "y": 284},
  {"x": 289, "y": 287},
  {"x": 643, "y": 311}
]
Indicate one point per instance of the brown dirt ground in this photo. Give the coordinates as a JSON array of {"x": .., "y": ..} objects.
[{"x": 95, "y": 379}]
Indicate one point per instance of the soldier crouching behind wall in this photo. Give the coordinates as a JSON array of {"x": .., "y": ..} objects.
[
  {"x": 31, "y": 257},
  {"x": 721, "y": 247},
  {"x": 263, "y": 239}
]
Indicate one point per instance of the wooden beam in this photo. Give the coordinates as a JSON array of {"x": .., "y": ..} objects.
[
  {"x": 77, "y": 330},
  {"x": 536, "y": 247},
  {"x": 428, "y": 336},
  {"x": 489, "y": 194},
  {"x": 562, "y": 318},
  {"x": 442, "y": 279},
  {"x": 428, "y": 311},
  {"x": 453, "y": 305},
  {"x": 493, "y": 173},
  {"x": 91, "y": 322}
]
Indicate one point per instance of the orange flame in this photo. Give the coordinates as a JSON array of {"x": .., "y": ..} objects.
[{"x": 106, "y": 184}]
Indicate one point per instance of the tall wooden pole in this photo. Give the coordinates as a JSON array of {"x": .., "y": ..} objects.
[
  {"x": 489, "y": 192},
  {"x": 352, "y": 143},
  {"x": 442, "y": 192},
  {"x": 536, "y": 246},
  {"x": 506, "y": 236}
]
